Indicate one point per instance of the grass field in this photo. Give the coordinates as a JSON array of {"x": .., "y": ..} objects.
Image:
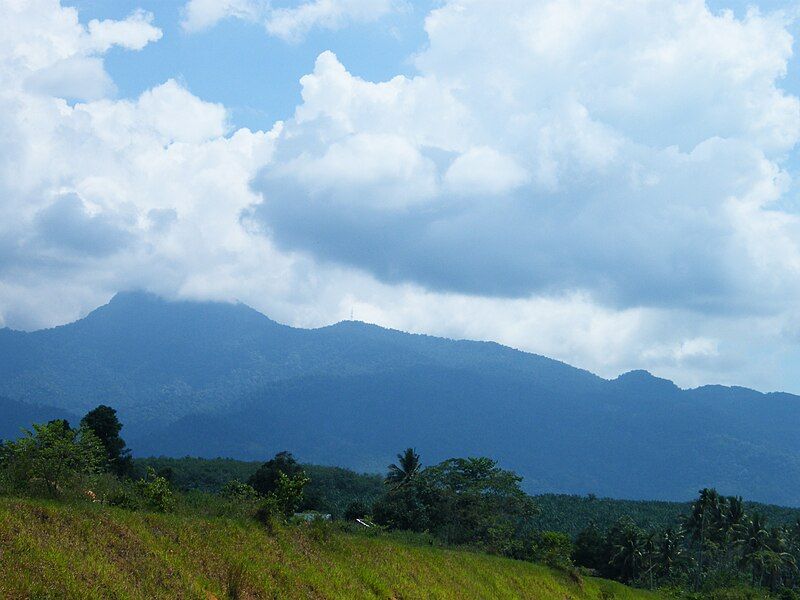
[{"x": 50, "y": 550}]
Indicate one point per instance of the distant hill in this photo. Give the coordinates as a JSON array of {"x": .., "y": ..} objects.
[
  {"x": 212, "y": 379},
  {"x": 16, "y": 415}
]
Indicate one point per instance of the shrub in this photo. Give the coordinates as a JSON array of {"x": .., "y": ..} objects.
[
  {"x": 552, "y": 548},
  {"x": 236, "y": 490},
  {"x": 356, "y": 510},
  {"x": 51, "y": 459},
  {"x": 156, "y": 492}
]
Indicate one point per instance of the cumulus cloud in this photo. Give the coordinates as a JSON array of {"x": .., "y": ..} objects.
[
  {"x": 290, "y": 24},
  {"x": 46, "y": 49},
  {"x": 580, "y": 146}
]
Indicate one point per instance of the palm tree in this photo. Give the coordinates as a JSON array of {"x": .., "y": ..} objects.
[
  {"x": 669, "y": 551},
  {"x": 407, "y": 468},
  {"x": 734, "y": 520},
  {"x": 753, "y": 542},
  {"x": 773, "y": 565},
  {"x": 705, "y": 513},
  {"x": 630, "y": 553}
]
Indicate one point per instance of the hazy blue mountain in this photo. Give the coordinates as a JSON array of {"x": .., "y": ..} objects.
[
  {"x": 223, "y": 380},
  {"x": 16, "y": 416}
]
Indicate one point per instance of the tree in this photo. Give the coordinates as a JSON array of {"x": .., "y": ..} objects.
[
  {"x": 669, "y": 551},
  {"x": 268, "y": 476},
  {"x": 407, "y": 468},
  {"x": 590, "y": 548},
  {"x": 104, "y": 423},
  {"x": 753, "y": 542},
  {"x": 285, "y": 498},
  {"x": 355, "y": 510},
  {"x": 52, "y": 456},
  {"x": 629, "y": 552},
  {"x": 700, "y": 525},
  {"x": 156, "y": 492},
  {"x": 473, "y": 501}
]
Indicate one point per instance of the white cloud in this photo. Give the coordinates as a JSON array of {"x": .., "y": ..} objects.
[
  {"x": 77, "y": 77},
  {"x": 290, "y": 24},
  {"x": 134, "y": 33},
  {"x": 578, "y": 146},
  {"x": 199, "y": 15},
  {"x": 46, "y": 49}
]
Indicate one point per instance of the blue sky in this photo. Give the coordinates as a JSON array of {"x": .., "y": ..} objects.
[
  {"x": 257, "y": 76},
  {"x": 254, "y": 75},
  {"x": 613, "y": 185}
]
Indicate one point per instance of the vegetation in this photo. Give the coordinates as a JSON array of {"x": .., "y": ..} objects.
[
  {"x": 103, "y": 422},
  {"x": 331, "y": 490},
  {"x": 717, "y": 548},
  {"x": 716, "y": 545},
  {"x": 572, "y": 514},
  {"x": 57, "y": 550}
]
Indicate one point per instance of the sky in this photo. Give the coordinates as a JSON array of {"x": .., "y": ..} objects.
[{"x": 612, "y": 184}]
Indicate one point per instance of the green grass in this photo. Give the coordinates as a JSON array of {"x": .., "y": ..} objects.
[{"x": 50, "y": 550}]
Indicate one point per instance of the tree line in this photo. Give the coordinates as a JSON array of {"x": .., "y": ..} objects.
[{"x": 717, "y": 544}]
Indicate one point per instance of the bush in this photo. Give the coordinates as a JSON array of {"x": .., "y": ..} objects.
[
  {"x": 156, "y": 492},
  {"x": 52, "y": 460},
  {"x": 552, "y": 548},
  {"x": 356, "y": 510},
  {"x": 236, "y": 490}
]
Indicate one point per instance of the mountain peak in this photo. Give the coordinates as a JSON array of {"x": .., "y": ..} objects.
[{"x": 641, "y": 377}]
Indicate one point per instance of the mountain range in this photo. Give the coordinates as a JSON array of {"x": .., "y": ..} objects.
[{"x": 217, "y": 379}]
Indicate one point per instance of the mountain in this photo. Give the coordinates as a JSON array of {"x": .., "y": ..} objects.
[{"x": 212, "y": 379}]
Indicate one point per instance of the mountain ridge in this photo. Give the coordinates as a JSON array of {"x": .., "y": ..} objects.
[{"x": 222, "y": 379}]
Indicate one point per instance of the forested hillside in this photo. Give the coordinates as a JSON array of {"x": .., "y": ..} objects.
[{"x": 212, "y": 380}]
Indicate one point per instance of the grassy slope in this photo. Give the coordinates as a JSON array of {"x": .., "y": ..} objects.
[{"x": 56, "y": 551}]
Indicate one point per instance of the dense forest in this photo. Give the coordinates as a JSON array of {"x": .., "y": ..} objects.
[{"x": 695, "y": 549}]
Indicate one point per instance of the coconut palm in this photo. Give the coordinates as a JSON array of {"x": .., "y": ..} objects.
[
  {"x": 753, "y": 542},
  {"x": 669, "y": 551},
  {"x": 629, "y": 553},
  {"x": 773, "y": 566},
  {"x": 407, "y": 468},
  {"x": 701, "y": 523}
]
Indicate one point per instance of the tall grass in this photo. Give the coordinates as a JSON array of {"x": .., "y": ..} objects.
[{"x": 50, "y": 550}]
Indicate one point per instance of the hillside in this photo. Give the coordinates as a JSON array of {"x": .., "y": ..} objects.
[
  {"x": 52, "y": 550},
  {"x": 210, "y": 379}
]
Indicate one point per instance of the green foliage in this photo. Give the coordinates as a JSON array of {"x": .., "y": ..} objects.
[
  {"x": 104, "y": 423},
  {"x": 462, "y": 501},
  {"x": 356, "y": 510},
  {"x": 718, "y": 551},
  {"x": 551, "y": 548},
  {"x": 268, "y": 476},
  {"x": 284, "y": 499},
  {"x": 238, "y": 491},
  {"x": 572, "y": 514},
  {"x": 330, "y": 490},
  {"x": 52, "y": 459},
  {"x": 406, "y": 470},
  {"x": 156, "y": 492}
]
